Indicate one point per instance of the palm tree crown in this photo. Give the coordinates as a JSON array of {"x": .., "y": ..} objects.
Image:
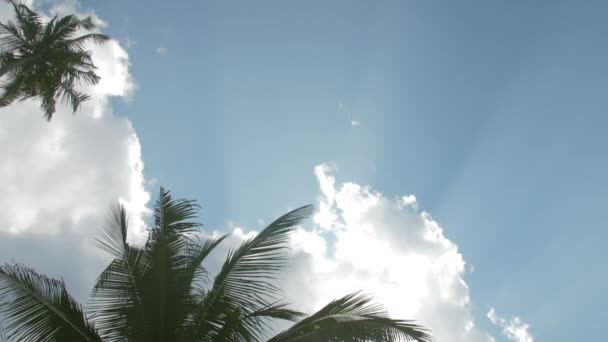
[
  {"x": 46, "y": 60},
  {"x": 158, "y": 291}
]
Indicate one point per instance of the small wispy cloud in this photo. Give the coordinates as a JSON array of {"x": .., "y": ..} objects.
[
  {"x": 514, "y": 329},
  {"x": 342, "y": 108},
  {"x": 161, "y": 50}
]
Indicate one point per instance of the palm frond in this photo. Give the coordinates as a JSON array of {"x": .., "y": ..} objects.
[
  {"x": 173, "y": 216},
  {"x": 12, "y": 38},
  {"x": 116, "y": 297},
  {"x": 28, "y": 21},
  {"x": 192, "y": 272},
  {"x": 353, "y": 318},
  {"x": 63, "y": 28},
  {"x": 80, "y": 42},
  {"x": 277, "y": 310},
  {"x": 48, "y": 103},
  {"x": 37, "y": 308},
  {"x": 87, "y": 23},
  {"x": 13, "y": 89},
  {"x": 69, "y": 24},
  {"x": 253, "y": 326},
  {"x": 167, "y": 292},
  {"x": 48, "y": 58},
  {"x": 245, "y": 280},
  {"x": 81, "y": 76},
  {"x": 71, "y": 96},
  {"x": 113, "y": 236},
  {"x": 248, "y": 270}
]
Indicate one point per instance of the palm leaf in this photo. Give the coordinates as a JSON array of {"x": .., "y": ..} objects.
[
  {"x": 37, "y": 308},
  {"x": 87, "y": 23},
  {"x": 116, "y": 297},
  {"x": 245, "y": 280},
  {"x": 251, "y": 327},
  {"x": 12, "y": 91},
  {"x": 80, "y": 42},
  {"x": 192, "y": 272},
  {"x": 48, "y": 102},
  {"x": 47, "y": 59},
  {"x": 248, "y": 270},
  {"x": 70, "y": 96},
  {"x": 11, "y": 37},
  {"x": 113, "y": 236},
  {"x": 77, "y": 75},
  {"x": 167, "y": 294},
  {"x": 352, "y": 318},
  {"x": 28, "y": 21}
]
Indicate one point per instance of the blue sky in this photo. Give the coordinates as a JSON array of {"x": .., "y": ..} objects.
[{"x": 492, "y": 113}]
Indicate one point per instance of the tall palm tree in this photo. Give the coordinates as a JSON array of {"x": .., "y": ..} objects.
[
  {"x": 157, "y": 291},
  {"x": 46, "y": 60}
]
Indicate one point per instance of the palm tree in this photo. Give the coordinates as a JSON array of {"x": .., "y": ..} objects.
[
  {"x": 46, "y": 60},
  {"x": 158, "y": 291}
]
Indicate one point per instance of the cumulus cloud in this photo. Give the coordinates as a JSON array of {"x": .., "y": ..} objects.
[
  {"x": 59, "y": 177},
  {"x": 514, "y": 329},
  {"x": 410, "y": 200},
  {"x": 362, "y": 240}
]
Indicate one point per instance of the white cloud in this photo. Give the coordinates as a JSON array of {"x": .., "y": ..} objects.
[
  {"x": 355, "y": 123},
  {"x": 324, "y": 216},
  {"x": 58, "y": 178},
  {"x": 161, "y": 50},
  {"x": 362, "y": 240},
  {"x": 514, "y": 329},
  {"x": 410, "y": 200}
]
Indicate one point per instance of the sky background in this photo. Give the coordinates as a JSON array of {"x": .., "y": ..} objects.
[{"x": 493, "y": 114}]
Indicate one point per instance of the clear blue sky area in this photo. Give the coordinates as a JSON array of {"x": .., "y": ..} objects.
[{"x": 493, "y": 113}]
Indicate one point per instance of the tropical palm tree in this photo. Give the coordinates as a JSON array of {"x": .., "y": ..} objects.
[
  {"x": 46, "y": 60},
  {"x": 157, "y": 291}
]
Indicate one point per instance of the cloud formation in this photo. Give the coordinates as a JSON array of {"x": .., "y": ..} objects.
[
  {"x": 362, "y": 240},
  {"x": 59, "y": 177},
  {"x": 514, "y": 329}
]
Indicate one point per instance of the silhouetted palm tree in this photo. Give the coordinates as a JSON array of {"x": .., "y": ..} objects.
[
  {"x": 46, "y": 60},
  {"x": 157, "y": 291}
]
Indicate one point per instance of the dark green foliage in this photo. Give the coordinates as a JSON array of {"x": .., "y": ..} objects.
[
  {"x": 157, "y": 292},
  {"x": 352, "y": 318},
  {"x": 46, "y": 60},
  {"x": 36, "y": 308}
]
